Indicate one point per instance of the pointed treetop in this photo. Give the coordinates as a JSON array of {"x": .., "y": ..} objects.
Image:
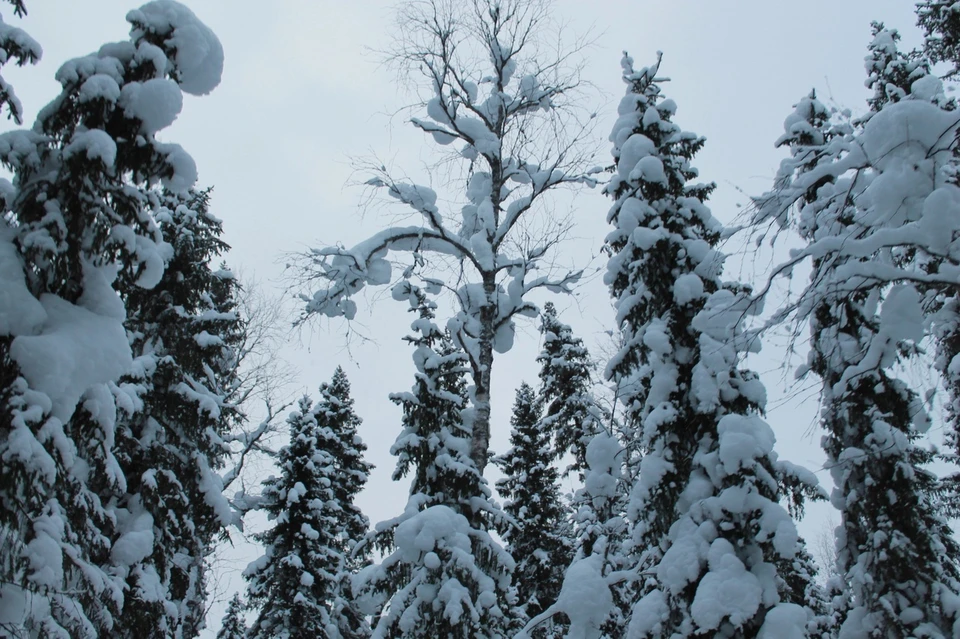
[
  {"x": 890, "y": 72},
  {"x": 234, "y": 624}
]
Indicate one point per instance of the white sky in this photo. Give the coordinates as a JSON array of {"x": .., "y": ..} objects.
[{"x": 302, "y": 96}]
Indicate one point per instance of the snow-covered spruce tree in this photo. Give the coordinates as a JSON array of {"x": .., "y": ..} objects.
[
  {"x": 297, "y": 585},
  {"x": 940, "y": 21},
  {"x": 894, "y": 73},
  {"x": 712, "y": 543},
  {"x": 444, "y": 575},
  {"x": 433, "y": 432},
  {"x": 79, "y": 219},
  {"x": 597, "y": 587},
  {"x": 597, "y": 522},
  {"x": 890, "y": 72},
  {"x": 169, "y": 439},
  {"x": 292, "y": 583},
  {"x": 595, "y": 594},
  {"x": 334, "y": 412},
  {"x": 234, "y": 624},
  {"x": 877, "y": 207},
  {"x": 565, "y": 381},
  {"x": 538, "y": 538},
  {"x": 518, "y": 139},
  {"x": 15, "y": 45}
]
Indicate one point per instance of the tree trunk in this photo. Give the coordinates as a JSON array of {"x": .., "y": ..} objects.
[{"x": 480, "y": 435}]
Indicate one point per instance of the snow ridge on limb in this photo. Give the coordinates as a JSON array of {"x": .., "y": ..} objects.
[
  {"x": 509, "y": 115},
  {"x": 711, "y": 547},
  {"x": 866, "y": 196},
  {"x": 443, "y": 574}
]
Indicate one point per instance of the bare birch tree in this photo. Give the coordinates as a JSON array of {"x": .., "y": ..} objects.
[{"x": 492, "y": 86}]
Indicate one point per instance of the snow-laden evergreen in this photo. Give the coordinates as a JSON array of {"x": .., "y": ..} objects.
[
  {"x": 539, "y": 536},
  {"x": 169, "y": 437},
  {"x": 291, "y": 584},
  {"x": 565, "y": 388},
  {"x": 301, "y": 585},
  {"x": 17, "y": 46},
  {"x": 890, "y": 72},
  {"x": 234, "y": 625},
  {"x": 712, "y": 545},
  {"x": 940, "y": 21},
  {"x": 444, "y": 575},
  {"x": 516, "y": 137},
  {"x": 877, "y": 204},
  {"x": 79, "y": 227},
  {"x": 335, "y": 413}
]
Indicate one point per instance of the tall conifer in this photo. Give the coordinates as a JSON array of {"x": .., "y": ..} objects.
[
  {"x": 444, "y": 575},
  {"x": 538, "y": 537},
  {"x": 708, "y": 533},
  {"x": 301, "y": 583}
]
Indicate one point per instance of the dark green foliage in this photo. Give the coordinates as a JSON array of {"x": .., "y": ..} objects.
[
  {"x": 540, "y": 541},
  {"x": 301, "y": 583},
  {"x": 940, "y": 22},
  {"x": 434, "y": 445},
  {"x": 565, "y": 381},
  {"x": 890, "y": 72},
  {"x": 234, "y": 625},
  {"x": 184, "y": 333},
  {"x": 449, "y": 496}
]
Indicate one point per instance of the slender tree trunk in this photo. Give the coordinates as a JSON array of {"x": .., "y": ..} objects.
[{"x": 480, "y": 436}]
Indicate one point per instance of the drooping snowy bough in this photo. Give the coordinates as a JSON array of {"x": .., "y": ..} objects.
[
  {"x": 877, "y": 202},
  {"x": 509, "y": 114}
]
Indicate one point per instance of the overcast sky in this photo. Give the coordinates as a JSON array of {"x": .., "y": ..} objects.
[{"x": 303, "y": 97}]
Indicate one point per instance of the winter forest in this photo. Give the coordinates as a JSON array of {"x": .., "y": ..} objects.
[{"x": 588, "y": 439}]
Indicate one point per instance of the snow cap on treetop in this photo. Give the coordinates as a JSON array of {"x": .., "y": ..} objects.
[{"x": 199, "y": 54}]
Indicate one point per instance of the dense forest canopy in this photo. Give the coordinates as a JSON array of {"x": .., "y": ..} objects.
[{"x": 595, "y": 437}]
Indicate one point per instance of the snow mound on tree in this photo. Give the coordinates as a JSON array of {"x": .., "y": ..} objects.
[
  {"x": 727, "y": 591},
  {"x": 156, "y": 103},
  {"x": 911, "y": 130},
  {"x": 80, "y": 345},
  {"x": 20, "y": 312},
  {"x": 435, "y": 526},
  {"x": 199, "y": 57},
  {"x": 784, "y": 621},
  {"x": 585, "y": 597}
]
